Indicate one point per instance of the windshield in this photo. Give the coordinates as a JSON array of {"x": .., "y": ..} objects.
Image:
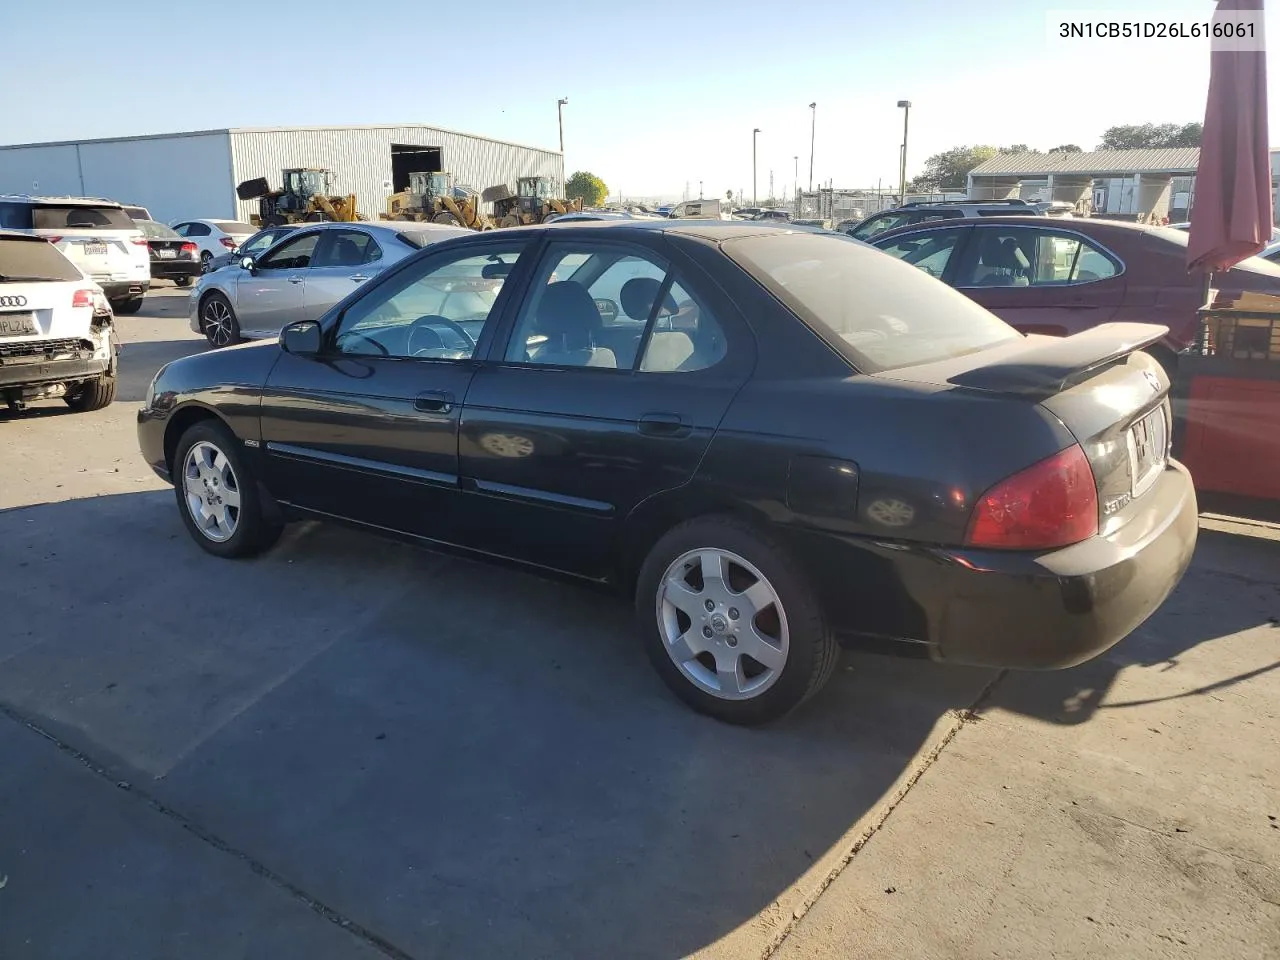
[
  {"x": 79, "y": 216},
  {"x": 32, "y": 260},
  {"x": 878, "y": 312},
  {"x": 157, "y": 231}
]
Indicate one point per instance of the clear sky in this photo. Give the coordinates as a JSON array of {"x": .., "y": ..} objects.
[{"x": 661, "y": 93}]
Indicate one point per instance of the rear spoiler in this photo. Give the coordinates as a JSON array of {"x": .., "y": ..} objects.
[{"x": 1047, "y": 367}]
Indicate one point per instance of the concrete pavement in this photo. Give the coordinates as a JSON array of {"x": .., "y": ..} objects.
[{"x": 350, "y": 748}]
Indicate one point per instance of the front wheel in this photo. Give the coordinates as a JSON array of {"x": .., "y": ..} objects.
[
  {"x": 182, "y": 281},
  {"x": 218, "y": 494},
  {"x": 730, "y": 622},
  {"x": 218, "y": 321}
]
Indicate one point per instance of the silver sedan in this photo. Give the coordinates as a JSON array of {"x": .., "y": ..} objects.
[{"x": 301, "y": 276}]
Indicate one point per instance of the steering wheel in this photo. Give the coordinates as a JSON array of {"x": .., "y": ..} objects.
[
  {"x": 382, "y": 351},
  {"x": 432, "y": 320}
]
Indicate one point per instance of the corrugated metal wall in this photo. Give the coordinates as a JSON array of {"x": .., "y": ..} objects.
[
  {"x": 174, "y": 177},
  {"x": 361, "y": 158}
]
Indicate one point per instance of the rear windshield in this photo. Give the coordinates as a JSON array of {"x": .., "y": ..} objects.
[
  {"x": 157, "y": 231},
  {"x": 79, "y": 216},
  {"x": 234, "y": 226},
  {"x": 418, "y": 240},
  {"x": 877, "y": 311},
  {"x": 28, "y": 261}
]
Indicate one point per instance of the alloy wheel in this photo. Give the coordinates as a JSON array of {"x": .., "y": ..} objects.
[
  {"x": 217, "y": 322},
  {"x": 722, "y": 623},
  {"x": 212, "y": 491}
]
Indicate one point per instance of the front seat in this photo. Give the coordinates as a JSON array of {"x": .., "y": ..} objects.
[
  {"x": 639, "y": 293},
  {"x": 567, "y": 317},
  {"x": 1009, "y": 266}
]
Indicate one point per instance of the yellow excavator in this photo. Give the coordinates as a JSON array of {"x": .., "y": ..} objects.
[
  {"x": 532, "y": 201},
  {"x": 307, "y": 197},
  {"x": 434, "y": 197}
]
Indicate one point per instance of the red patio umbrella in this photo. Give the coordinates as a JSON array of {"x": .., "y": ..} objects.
[{"x": 1231, "y": 218}]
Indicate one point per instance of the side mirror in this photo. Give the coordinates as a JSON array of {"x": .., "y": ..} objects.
[
  {"x": 302, "y": 338},
  {"x": 248, "y": 264}
]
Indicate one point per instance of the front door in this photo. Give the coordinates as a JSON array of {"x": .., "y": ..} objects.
[
  {"x": 1040, "y": 279},
  {"x": 614, "y": 379},
  {"x": 271, "y": 295},
  {"x": 346, "y": 258},
  {"x": 368, "y": 430}
]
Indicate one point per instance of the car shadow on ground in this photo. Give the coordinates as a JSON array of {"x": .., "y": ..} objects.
[
  {"x": 1233, "y": 585},
  {"x": 459, "y": 757}
]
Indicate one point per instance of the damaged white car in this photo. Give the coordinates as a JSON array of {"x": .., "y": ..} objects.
[{"x": 57, "y": 333}]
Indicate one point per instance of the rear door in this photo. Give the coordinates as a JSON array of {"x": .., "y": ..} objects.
[
  {"x": 620, "y": 365},
  {"x": 1041, "y": 279},
  {"x": 273, "y": 293},
  {"x": 344, "y": 260}
]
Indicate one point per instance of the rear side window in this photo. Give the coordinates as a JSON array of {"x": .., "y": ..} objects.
[
  {"x": 197, "y": 230},
  {"x": 33, "y": 260},
  {"x": 80, "y": 216},
  {"x": 878, "y": 312}
]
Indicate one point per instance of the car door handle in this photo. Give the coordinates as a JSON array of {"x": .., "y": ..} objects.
[
  {"x": 295, "y": 279},
  {"x": 358, "y": 278},
  {"x": 662, "y": 425},
  {"x": 434, "y": 401}
]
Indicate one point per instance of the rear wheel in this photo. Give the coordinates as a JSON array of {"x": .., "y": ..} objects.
[
  {"x": 182, "y": 281},
  {"x": 206, "y": 261},
  {"x": 218, "y": 321},
  {"x": 731, "y": 623},
  {"x": 510, "y": 220},
  {"x": 218, "y": 494},
  {"x": 127, "y": 307},
  {"x": 93, "y": 394}
]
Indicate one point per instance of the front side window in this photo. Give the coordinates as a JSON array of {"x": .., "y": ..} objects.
[
  {"x": 347, "y": 248},
  {"x": 1022, "y": 257},
  {"x": 257, "y": 244},
  {"x": 436, "y": 311},
  {"x": 603, "y": 306},
  {"x": 931, "y": 252},
  {"x": 878, "y": 312},
  {"x": 294, "y": 255}
]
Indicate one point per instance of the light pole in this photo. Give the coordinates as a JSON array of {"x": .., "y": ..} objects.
[
  {"x": 754, "y": 133},
  {"x": 902, "y": 173},
  {"x": 699, "y": 189},
  {"x": 560, "y": 112},
  {"x": 813, "y": 131}
]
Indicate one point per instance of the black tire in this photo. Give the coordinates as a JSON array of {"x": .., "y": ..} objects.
[
  {"x": 206, "y": 259},
  {"x": 253, "y": 533},
  {"x": 812, "y": 652},
  {"x": 446, "y": 218},
  {"x": 127, "y": 307},
  {"x": 182, "y": 281},
  {"x": 220, "y": 329},
  {"x": 274, "y": 220},
  {"x": 93, "y": 394}
]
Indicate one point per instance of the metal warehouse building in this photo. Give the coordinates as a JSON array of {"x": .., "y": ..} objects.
[{"x": 188, "y": 175}]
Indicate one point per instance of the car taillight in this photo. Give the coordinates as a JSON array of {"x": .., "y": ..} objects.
[
  {"x": 1051, "y": 504},
  {"x": 82, "y": 298},
  {"x": 138, "y": 241},
  {"x": 189, "y": 248},
  {"x": 54, "y": 239},
  {"x": 227, "y": 242}
]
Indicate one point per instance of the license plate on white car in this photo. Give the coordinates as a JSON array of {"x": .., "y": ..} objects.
[
  {"x": 1148, "y": 449},
  {"x": 95, "y": 249},
  {"x": 17, "y": 324},
  {"x": 167, "y": 254}
]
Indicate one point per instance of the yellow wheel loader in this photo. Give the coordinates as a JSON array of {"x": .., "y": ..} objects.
[
  {"x": 435, "y": 197},
  {"x": 307, "y": 196},
  {"x": 532, "y": 201}
]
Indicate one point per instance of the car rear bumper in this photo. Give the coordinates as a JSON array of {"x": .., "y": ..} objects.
[
  {"x": 1054, "y": 610},
  {"x": 30, "y": 373},
  {"x": 168, "y": 269},
  {"x": 124, "y": 289}
]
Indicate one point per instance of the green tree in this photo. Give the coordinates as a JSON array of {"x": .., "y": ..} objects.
[
  {"x": 587, "y": 186},
  {"x": 1151, "y": 136},
  {"x": 1018, "y": 148},
  {"x": 950, "y": 168},
  {"x": 1066, "y": 148}
]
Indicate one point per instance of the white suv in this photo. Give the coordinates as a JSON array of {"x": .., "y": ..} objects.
[
  {"x": 56, "y": 333},
  {"x": 96, "y": 235}
]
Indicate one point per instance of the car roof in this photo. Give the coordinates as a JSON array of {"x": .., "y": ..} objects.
[
  {"x": 85, "y": 201},
  {"x": 701, "y": 229},
  {"x": 1088, "y": 225}
]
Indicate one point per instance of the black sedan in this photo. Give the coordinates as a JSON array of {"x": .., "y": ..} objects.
[
  {"x": 172, "y": 256},
  {"x": 770, "y": 440}
]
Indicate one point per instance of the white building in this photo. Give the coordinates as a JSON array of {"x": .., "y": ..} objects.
[{"x": 184, "y": 175}]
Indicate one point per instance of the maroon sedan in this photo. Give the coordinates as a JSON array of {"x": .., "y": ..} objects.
[{"x": 1059, "y": 277}]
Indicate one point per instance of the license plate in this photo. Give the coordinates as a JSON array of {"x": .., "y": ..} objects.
[
  {"x": 1148, "y": 449},
  {"x": 17, "y": 324},
  {"x": 167, "y": 254},
  {"x": 95, "y": 249}
]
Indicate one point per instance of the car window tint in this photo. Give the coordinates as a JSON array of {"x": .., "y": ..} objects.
[
  {"x": 878, "y": 312},
  {"x": 293, "y": 255},
  {"x": 197, "y": 230},
  {"x": 582, "y": 311},
  {"x": 1021, "y": 257},
  {"x": 869, "y": 228},
  {"x": 930, "y": 252},
  {"x": 182, "y": 229},
  {"x": 258, "y": 244},
  {"x": 436, "y": 311},
  {"x": 347, "y": 248},
  {"x": 685, "y": 336},
  {"x": 15, "y": 216}
]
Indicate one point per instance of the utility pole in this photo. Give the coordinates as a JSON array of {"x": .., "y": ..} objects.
[
  {"x": 699, "y": 189},
  {"x": 771, "y": 186},
  {"x": 902, "y": 172},
  {"x": 813, "y": 133},
  {"x": 754, "y": 181},
  {"x": 560, "y": 112}
]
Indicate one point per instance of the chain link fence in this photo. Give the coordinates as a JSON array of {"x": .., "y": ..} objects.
[{"x": 838, "y": 205}]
